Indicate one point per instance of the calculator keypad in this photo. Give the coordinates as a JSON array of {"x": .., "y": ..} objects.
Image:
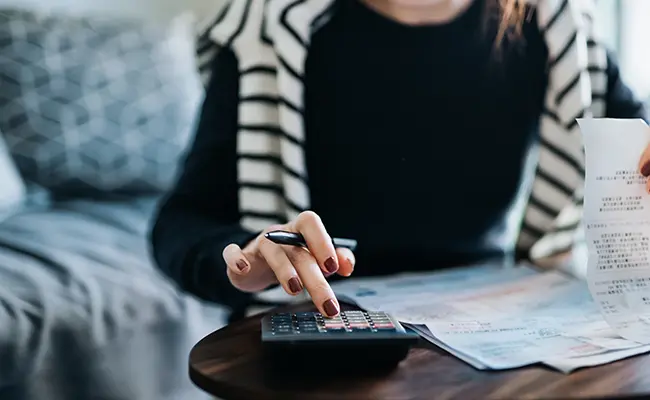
[{"x": 315, "y": 323}]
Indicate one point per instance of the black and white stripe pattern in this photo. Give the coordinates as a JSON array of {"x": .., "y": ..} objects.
[
  {"x": 577, "y": 85},
  {"x": 271, "y": 39}
]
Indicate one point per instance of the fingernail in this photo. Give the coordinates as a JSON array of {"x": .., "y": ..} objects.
[
  {"x": 350, "y": 262},
  {"x": 241, "y": 264},
  {"x": 330, "y": 265},
  {"x": 294, "y": 285},
  {"x": 645, "y": 170},
  {"x": 330, "y": 307}
]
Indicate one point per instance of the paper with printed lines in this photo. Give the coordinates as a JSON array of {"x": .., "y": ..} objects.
[
  {"x": 495, "y": 317},
  {"x": 617, "y": 224}
]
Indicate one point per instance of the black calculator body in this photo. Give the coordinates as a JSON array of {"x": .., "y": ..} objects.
[{"x": 353, "y": 340}]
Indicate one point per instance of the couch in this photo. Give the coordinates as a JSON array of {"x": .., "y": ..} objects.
[{"x": 95, "y": 116}]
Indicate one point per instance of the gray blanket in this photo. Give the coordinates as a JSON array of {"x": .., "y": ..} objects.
[{"x": 85, "y": 315}]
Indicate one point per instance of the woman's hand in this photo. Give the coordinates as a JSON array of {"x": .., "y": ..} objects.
[
  {"x": 263, "y": 263},
  {"x": 644, "y": 166}
]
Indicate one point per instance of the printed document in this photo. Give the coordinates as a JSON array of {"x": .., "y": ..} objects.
[
  {"x": 617, "y": 224},
  {"x": 417, "y": 298},
  {"x": 536, "y": 319},
  {"x": 498, "y": 317}
]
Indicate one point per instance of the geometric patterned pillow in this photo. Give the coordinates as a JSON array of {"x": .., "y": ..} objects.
[{"x": 93, "y": 106}]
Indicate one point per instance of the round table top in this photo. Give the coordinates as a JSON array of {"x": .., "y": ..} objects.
[{"x": 228, "y": 364}]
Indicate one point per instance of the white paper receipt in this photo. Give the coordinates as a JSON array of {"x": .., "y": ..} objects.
[{"x": 617, "y": 224}]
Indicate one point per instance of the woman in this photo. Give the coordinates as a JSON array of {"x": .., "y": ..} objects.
[{"x": 435, "y": 132}]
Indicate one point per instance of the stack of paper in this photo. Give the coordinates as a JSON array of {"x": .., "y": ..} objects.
[{"x": 498, "y": 317}]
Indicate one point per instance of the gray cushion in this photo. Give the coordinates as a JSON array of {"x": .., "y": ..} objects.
[
  {"x": 84, "y": 313},
  {"x": 94, "y": 106},
  {"x": 13, "y": 189}
]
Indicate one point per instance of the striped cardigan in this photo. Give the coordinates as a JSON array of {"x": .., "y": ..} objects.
[{"x": 271, "y": 40}]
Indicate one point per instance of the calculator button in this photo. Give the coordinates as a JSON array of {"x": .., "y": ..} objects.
[
  {"x": 359, "y": 323},
  {"x": 305, "y": 314},
  {"x": 336, "y": 330},
  {"x": 282, "y": 322},
  {"x": 306, "y": 323},
  {"x": 276, "y": 323},
  {"x": 364, "y": 329},
  {"x": 282, "y": 331},
  {"x": 284, "y": 325}
]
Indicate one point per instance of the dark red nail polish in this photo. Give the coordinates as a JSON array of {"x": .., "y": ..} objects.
[
  {"x": 645, "y": 170},
  {"x": 330, "y": 307},
  {"x": 330, "y": 265},
  {"x": 294, "y": 285},
  {"x": 241, "y": 264}
]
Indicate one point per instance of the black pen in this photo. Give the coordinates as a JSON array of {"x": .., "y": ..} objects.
[{"x": 296, "y": 239}]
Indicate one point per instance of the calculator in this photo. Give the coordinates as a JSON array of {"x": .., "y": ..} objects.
[{"x": 352, "y": 339}]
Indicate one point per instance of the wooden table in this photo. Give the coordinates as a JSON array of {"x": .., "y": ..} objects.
[{"x": 228, "y": 364}]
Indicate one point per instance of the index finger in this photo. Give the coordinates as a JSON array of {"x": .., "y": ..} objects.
[
  {"x": 319, "y": 242},
  {"x": 319, "y": 290}
]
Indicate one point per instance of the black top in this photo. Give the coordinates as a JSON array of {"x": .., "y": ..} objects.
[{"x": 417, "y": 141}]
